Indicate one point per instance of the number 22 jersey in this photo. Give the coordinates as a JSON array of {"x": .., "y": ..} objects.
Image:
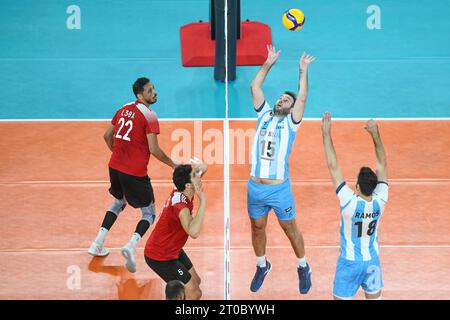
[{"x": 130, "y": 152}]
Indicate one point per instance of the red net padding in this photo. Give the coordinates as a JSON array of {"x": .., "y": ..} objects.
[{"x": 197, "y": 48}]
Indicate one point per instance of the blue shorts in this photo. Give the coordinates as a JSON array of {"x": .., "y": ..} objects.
[
  {"x": 262, "y": 198},
  {"x": 350, "y": 275}
]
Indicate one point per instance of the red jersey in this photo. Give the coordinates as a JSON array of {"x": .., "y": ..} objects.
[
  {"x": 169, "y": 237},
  {"x": 130, "y": 152}
]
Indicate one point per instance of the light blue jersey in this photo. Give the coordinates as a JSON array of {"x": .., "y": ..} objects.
[
  {"x": 358, "y": 264},
  {"x": 359, "y": 222},
  {"x": 272, "y": 144}
]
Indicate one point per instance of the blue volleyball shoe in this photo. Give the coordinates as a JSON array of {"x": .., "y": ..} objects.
[
  {"x": 260, "y": 275},
  {"x": 304, "y": 279}
]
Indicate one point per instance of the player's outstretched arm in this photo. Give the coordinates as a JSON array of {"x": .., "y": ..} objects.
[
  {"x": 109, "y": 136},
  {"x": 372, "y": 127},
  {"x": 256, "y": 85},
  {"x": 157, "y": 151},
  {"x": 193, "y": 225},
  {"x": 300, "y": 103},
  {"x": 330, "y": 154}
]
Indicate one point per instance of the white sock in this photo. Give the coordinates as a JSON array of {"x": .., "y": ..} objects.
[
  {"x": 261, "y": 261},
  {"x": 101, "y": 236},
  {"x": 301, "y": 262},
  {"x": 134, "y": 239}
]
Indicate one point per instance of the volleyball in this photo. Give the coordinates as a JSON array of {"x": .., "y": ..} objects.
[{"x": 293, "y": 19}]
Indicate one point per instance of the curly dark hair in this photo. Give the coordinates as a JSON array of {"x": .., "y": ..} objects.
[
  {"x": 181, "y": 176},
  {"x": 138, "y": 86}
]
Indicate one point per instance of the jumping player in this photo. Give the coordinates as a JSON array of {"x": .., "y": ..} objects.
[
  {"x": 269, "y": 184},
  {"x": 132, "y": 137},
  {"x": 164, "y": 252},
  {"x": 358, "y": 263}
]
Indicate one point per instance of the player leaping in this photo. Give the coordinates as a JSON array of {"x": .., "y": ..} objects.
[{"x": 269, "y": 185}]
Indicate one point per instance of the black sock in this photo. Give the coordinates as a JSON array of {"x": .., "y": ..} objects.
[
  {"x": 109, "y": 220},
  {"x": 142, "y": 227}
]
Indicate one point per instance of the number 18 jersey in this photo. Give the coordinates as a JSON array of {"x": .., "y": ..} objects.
[
  {"x": 359, "y": 222},
  {"x": 130, "y": 152},
  {"x": 272, "y": 144}
]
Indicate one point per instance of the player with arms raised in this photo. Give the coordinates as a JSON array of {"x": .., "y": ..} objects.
[
  {"x": 269, "y": 185},
  {"x": 358, "y": 263}
]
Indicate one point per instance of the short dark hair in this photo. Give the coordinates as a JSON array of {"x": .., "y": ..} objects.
[
  {"x": 175, "y": 290},
  {"x": 138, "y": 86},
  {"x": 293, "y": 95},
  {"x": 181, "y": 176},
  {"x": 367, "y": 181}
]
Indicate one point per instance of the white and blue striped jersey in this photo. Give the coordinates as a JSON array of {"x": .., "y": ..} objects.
[
  {"x": 272, "y": 144},
  {"x": 359, "y": 222}
]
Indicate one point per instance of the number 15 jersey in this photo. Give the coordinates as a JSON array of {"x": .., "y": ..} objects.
[
  {"x": 272, "y": 144},
  {"x": 131, "y": 153}
]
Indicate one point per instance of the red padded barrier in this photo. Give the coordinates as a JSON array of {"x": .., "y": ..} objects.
[{"x": 197, "y": 49}]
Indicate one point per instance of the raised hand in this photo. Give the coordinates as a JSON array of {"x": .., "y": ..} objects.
[
  {"x": 198, "y": 166},
  {"x": 272, "y": 54},
  {"x": 326, "y": 123},
  {"x": 305, "y": 60},
  {"x": 371, "y": 126},
  {"x": 198, "y": 187}
]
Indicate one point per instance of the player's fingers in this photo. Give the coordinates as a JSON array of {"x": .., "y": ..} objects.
[
  {"x": 200, "y": 173},
  {"x": 195, "y": 160}
]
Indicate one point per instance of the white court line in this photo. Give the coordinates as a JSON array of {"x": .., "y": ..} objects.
[
  {"x": 106, "y": 120},
  {"x": 226, "y": 175},
  {"x": 445, "y": 246},
  {"x": 361, "y": 119},
  {"x": 232, "y": 119}
]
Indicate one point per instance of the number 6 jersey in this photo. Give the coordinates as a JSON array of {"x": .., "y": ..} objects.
[
  {"x": 131, "y": 153},
  {"x": 272, "y": 144},
  {"x": 359, "y": 222}
]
